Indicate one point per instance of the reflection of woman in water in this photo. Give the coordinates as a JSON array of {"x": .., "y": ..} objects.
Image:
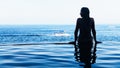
[{"x": 85, "y": 27}]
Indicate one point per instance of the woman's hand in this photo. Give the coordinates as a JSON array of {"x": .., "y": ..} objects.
[
  {"x": 72, "y": 42},
  {"x": 97, "y": 42}
]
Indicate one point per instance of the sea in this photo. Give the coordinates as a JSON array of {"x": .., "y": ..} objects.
[{"x": 33, "y": 46}]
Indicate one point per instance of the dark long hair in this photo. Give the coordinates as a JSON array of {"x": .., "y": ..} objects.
[{"x": 85, "y": 13}]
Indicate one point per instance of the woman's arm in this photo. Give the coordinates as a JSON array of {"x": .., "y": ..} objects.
[
  {"x": 76, "y": 32},
  {"x": 93, "y": 30}
]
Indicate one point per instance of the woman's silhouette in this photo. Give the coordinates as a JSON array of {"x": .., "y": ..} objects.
[{"x": 85, "y": 27}]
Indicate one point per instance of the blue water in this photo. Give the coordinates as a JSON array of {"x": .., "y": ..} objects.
[
  {"x": 53, "y": 55},
  {"x": 30, "y": 34}
]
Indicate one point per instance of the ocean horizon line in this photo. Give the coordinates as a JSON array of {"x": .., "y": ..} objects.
[{"x": 54, "y": 24}]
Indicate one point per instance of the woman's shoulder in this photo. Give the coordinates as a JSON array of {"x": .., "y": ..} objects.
[
  {"x": 92, "y": 19},
  {"x": 79, "y": 18}
]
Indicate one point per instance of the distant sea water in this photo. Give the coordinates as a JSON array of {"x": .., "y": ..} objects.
[{"x": 30, "y": 55}]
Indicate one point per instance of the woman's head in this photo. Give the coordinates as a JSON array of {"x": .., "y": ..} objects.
[{"x": 84, "y": 12}]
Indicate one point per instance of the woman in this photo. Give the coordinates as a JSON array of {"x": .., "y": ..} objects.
[{"x": 85, "y": 27}]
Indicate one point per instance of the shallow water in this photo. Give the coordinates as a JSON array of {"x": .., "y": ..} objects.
[
  {"x": 54, "y": 55},
  {"x": 108, "y": 55},
  {"x": 42, "y": 56}
]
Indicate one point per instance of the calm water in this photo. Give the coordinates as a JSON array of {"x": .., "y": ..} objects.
[{"x": 31, "y": 55}]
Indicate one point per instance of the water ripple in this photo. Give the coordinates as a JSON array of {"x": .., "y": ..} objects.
[{"x": 56, "y": 56}]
